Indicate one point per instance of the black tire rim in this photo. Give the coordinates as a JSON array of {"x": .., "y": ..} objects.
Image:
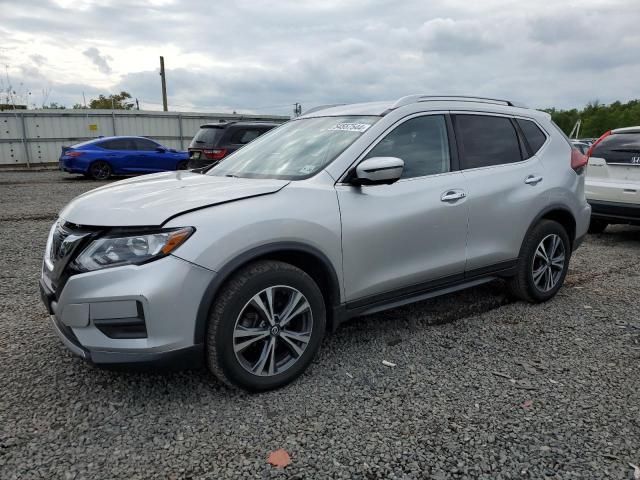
[
  {"x": 100, "y": 170},
  {"x": 548, "y": 263},
  {"x": 272, "y": 331}
]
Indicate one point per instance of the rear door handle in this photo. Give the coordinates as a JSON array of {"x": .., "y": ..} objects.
[
  {"x": 533, "y": 179},
  {"x": 452, "y": 195}
]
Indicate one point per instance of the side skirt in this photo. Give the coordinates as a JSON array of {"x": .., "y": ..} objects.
[{"x": 416, "y": 293}]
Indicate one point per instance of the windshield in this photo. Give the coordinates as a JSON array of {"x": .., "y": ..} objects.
[
  {"x": 206, "y": 136},
  {"x": 298, "y": 149}
]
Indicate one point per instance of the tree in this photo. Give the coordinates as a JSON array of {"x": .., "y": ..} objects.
[
  {"x": 597, "y": 117},
  {"x": 115, "y": 101}
]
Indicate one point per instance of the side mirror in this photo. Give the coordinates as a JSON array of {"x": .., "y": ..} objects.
[
  {"x": 161, "y": 149},
  {"x": 378, "y": 171}
]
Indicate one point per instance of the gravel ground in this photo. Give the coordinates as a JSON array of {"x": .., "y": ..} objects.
[{"x": 482, "y": 388}]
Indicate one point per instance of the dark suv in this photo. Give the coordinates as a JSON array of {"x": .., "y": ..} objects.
[{"x": 214, "y": 141}]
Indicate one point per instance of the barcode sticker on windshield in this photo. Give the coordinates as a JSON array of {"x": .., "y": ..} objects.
[{"x": 351, "y": 127}]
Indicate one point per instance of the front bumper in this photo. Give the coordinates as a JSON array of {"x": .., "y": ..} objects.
[
  {"x": 65, "y": 165},
  {"x": 164, "y": 295}
]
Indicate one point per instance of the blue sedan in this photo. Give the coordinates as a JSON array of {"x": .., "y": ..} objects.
[{"x": 103, "y": 157}]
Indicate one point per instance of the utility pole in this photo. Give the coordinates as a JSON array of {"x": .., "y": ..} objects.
[
  {"x": 137, "y": 105},
  {"x": 164, "y": 85},
  {"x": 297, "y": 109}
]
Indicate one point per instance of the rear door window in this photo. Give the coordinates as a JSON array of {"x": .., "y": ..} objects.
[
  {"x": 621, "y": 148},
  {"x": 534, "y": 136},
  {"x": 243, "y": 136},
  {"x": 144, "y": 145},
  {"x": 118, "y": 144},
  {"x": 485, "y": 140}
]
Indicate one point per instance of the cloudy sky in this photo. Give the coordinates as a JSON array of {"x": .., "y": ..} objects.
[{"x": 263, "y": 55}]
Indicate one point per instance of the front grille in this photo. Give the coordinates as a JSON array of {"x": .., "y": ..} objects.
[
  {"x": 67, "y": 240},
  {"x": 59, "y": 236}
]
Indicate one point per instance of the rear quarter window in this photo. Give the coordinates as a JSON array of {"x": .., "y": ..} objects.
[{"x": 534, "y": 136}]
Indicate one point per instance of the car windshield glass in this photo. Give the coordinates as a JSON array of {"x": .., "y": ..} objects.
[
  {"x": 206, "y": 136},
  {"x": 296, "y": 150}
]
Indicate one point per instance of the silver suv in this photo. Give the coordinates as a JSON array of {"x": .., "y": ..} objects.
[{"x": 344, "y": 211}]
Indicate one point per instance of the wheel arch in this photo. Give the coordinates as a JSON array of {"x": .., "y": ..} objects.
[
  {"x": 557, "y": 213},
  {"x": 309, "y": 259}
]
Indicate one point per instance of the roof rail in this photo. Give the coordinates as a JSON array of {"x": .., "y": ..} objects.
[
  {"x": 323, "y": 107},
  {"x": 409, "y": 99}
]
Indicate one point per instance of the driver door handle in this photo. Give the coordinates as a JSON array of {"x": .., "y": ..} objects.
[
  {"x": 533, "y": 179},
  {"x": 452, "y": 195}
]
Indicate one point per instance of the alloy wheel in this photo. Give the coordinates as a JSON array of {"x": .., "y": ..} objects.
[
  {"x": 272, "y": 330},
  {"x": 100, "y": 170},
  {"x": 548, "y": 262}
]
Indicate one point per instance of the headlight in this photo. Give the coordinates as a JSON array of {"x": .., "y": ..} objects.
[{"x": 115, "y": 250}]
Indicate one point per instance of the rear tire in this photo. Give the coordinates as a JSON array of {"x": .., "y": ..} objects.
[
  {"x": 597, "y": 226},
  {"x": 265, "y": 326},
  {"x": 183, "y": 165},
  {"x": 543, "y": 263},
  {"x": 100, "y": 170}
]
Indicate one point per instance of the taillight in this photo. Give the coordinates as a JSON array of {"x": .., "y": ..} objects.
[
  {"x": 73, "y": 154},
  {"x": 578, "y": 159},
  {"x": 215, "y": 154},
  {"x": 590, "y": 151}
]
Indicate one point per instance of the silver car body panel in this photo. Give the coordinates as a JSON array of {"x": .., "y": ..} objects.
[
  {"x": 168, "y": 289},
  {"x": 152, "y": 199},
  {"x": 304, "y": 213}
]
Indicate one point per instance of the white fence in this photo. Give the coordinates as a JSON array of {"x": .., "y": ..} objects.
[{"x": 35, "y": 137}]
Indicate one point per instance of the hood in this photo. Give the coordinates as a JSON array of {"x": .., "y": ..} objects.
[{"x": 152, "y": 199}]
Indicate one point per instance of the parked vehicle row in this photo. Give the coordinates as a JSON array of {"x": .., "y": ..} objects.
[
  {"x": 345, "y": 211},
  {"x": 102, "y": 157}
]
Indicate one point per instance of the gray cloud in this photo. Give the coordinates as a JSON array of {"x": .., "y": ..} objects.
[
  {"x": 38, "y": 59},
  {"x": 273, "y": 54},
  {"x": 445, "y": 36},
  {"x": 100, "y": 61}
]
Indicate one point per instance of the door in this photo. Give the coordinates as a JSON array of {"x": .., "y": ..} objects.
[
  {"x": 506, "y": 188},
  {"x": 401, "y": 238},
  {"x": 148, "y": 158},
  {"x": 121, "y": 154}
]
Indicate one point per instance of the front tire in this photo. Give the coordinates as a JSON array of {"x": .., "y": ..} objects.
[
  {"x": 265, "y": 327},
  {"x": 100, "y": 170},
  {"x": 543, "y": 263}
]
